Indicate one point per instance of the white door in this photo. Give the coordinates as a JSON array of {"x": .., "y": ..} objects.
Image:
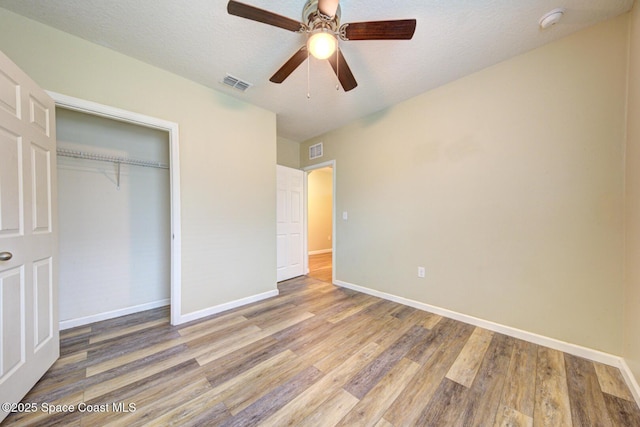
[
  {"x": 289, "y": 228},
  {"x": 29, "y": 340}
]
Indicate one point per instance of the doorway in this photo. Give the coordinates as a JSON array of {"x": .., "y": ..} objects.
[
  {"x": 174, "y": 235},
  {"x": 320, "y": 221}
]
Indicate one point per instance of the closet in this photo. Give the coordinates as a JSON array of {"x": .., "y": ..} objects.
[{"x": 114, "y": 217}]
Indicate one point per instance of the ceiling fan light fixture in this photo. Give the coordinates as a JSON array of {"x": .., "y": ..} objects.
[{"x": 322, "y": 43}]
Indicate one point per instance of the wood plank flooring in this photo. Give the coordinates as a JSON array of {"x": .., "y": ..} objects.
[
  {"x": 320, "y": 267},
  {"x": 319, "y": 355}
]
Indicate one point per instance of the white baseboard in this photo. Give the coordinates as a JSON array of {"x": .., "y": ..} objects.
[
  {"x": 184, "y": 318},
  {"x": 574, "y": 349},
  {"x": 630, "y": 379},
  {"x": 72, "y": 323},
  {"x": 321, "y": 251}
]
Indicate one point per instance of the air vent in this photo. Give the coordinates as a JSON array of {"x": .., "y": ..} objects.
[
  {"x": 236, "y": 83},
  {"x": 315, "y": 151}
]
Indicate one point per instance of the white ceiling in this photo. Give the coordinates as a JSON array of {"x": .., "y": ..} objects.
[{"x": 197, "y": 39}]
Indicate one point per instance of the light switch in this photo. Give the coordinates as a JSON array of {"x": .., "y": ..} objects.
[{"x": 345, "y": 215}]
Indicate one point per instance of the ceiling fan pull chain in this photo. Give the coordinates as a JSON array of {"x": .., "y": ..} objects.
[
  {"x": 337, "y": 65},
  {"x": 308, "y": 75}
]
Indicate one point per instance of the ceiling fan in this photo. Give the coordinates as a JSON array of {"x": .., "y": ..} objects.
[{"x": 321, "y": 22}]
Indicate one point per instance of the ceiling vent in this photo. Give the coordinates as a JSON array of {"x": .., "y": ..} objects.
[
  {"x": 236, "y": 83},
  {"x": 315, "y": 151}
]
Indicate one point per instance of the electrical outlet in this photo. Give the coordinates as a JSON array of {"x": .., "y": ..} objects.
[{"x": 421, "y": 272}]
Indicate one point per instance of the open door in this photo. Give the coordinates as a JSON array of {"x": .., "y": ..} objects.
[
  {"x": 289, "y": 223},
  {"x": 29, "y": 339}
]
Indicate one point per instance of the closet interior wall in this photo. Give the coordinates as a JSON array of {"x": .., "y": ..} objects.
[{"x": 114, "y": 239}]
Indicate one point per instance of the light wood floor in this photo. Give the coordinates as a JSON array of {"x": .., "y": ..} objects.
[
  {"x": 320, "y": 267},
  {"x": 319, "y": 355}
]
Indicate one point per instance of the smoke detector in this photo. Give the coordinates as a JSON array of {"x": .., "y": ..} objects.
[{"x": 551, "y": 18}]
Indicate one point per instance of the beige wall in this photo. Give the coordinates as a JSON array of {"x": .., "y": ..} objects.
[
  {"x": 288, "y": 153},
  {"x": 320, "y": 209},
  {"x": 228, "y": 196},
  {"x": 507, "y": 185},
  {"x": 632, "y": 295}
]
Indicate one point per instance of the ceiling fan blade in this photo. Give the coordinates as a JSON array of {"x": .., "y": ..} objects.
[
  {"x": 328, "y": 7},
  {"x": 289, "y": 66},
  {"x": 260, "y": 15},
  {"x": 401, "y": 29},
  {"x": 342, "y": 70}
]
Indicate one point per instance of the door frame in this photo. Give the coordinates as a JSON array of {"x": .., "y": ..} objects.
[
  {"x": 307, "y": 169},
  {"x": 118, "y": 114}
]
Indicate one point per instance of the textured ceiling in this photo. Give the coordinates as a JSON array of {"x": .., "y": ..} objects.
[{"x": 197, "y": 39}]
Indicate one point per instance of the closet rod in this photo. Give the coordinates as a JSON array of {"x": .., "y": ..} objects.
[{"x": 113, "y": 159}]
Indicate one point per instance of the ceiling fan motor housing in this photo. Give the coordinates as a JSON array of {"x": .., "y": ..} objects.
[{"x": 312, "y": 17}]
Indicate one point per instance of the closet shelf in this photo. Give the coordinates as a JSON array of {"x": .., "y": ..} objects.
[{"x": 113, "y": 159}]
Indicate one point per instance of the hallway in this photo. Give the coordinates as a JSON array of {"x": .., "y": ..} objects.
[{"x": 320, "y": 267}]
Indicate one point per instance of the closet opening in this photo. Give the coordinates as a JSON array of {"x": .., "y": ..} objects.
[{"x": 117, "y": 201}]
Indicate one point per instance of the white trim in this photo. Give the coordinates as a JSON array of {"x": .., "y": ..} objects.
[
  {"x": 72, "y": 323},
  {"x": 307, "y": 169},
  {"x": 96, "y": 109},
  {"x": 321, "y": 251},
  {"x": 576, "y": 350},
  {"x": 227, "y": 306},
  {"x": 630, "y": 379}
]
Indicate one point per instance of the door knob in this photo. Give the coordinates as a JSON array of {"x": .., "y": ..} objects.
[{"x": 5, "y": 256}]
